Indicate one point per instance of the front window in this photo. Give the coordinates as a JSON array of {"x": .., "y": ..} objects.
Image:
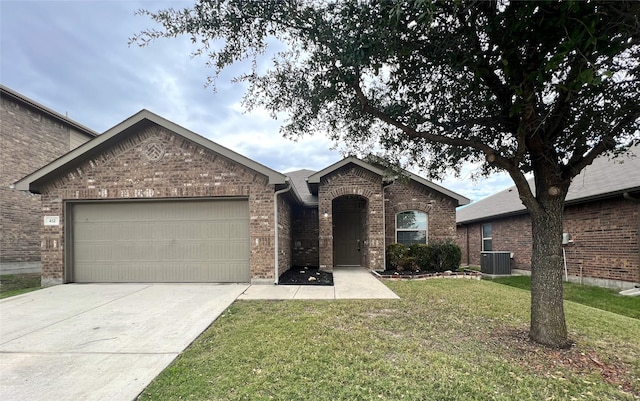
[
  {"x": 411, "y": 228},
  {"x": 487, "y": 237}
]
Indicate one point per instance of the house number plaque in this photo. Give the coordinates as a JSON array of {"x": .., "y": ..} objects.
[{"x": 51, "y": 220}]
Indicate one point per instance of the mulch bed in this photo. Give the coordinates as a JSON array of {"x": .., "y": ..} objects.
[
  {"x": 421, "y": 274},
  {"x": 306, "y": 276}
]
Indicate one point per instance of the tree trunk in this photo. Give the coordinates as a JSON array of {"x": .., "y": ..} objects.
[{"x": 548, "y": 326}]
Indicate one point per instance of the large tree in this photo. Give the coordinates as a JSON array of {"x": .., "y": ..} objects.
[{"x": 539, "y": 88}]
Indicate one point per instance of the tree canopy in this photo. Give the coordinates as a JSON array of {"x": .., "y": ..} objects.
[{"x": 541, "y": 87}]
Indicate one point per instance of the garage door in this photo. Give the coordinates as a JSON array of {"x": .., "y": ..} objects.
[{"x": 177, "y": 241}]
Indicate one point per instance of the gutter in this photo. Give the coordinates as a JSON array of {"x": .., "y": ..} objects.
[
  {"x": 276, "y": 260},
  {"x": 631, "y": 198}
]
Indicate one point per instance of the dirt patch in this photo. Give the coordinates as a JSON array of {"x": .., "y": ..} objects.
[
  {"x": 552, "y": 362},
  {"x": 305, "y": 276}
]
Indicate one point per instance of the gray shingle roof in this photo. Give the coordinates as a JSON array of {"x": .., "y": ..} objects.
[
  {"x": 299, "y": 185},
  {"x": 604, "y": 178}
]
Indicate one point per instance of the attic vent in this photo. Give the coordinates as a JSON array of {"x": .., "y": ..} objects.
[{"x": 154, "y": 151}]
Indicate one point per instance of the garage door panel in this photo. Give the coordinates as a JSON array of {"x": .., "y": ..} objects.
[{"x": 184, "y": 241}]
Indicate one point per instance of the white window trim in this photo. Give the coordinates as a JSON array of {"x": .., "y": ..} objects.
[
  {"x": 426, "y": 230},
  {"x": 486, "y": 238}
]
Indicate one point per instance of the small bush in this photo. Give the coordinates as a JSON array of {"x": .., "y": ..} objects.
[
  {"x": 423, "y": 255},
  {"x": 436, "y": 256},
  {"x": 446, "y": 255},
  {"x": 395, "y": 255}
]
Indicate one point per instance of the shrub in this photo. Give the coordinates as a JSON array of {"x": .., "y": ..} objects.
[
  {"x": 446, "y": 255},
  {"x": 395, "y": 255},
  {"x": 423, "y": 255}
]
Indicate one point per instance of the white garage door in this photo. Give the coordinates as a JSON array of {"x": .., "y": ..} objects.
[{"x": 151, "y": 241}]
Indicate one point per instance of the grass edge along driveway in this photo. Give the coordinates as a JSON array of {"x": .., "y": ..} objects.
[{"x": 444, "y": 340}]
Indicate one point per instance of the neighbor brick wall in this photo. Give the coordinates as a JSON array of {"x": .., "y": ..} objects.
[
  {"x": 440, "y": 210},
  {"x": 605, "y": 235},
  {"x": 186, "y": 170},
  {"x": 29, "y": 139},
  {"x": 352, "y": 180},
  {"x": 510, "y": 234}
]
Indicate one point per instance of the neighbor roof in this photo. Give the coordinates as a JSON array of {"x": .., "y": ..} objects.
[
  {"x": 604, "y": 178},
  {"x": 7, "y": 92},
  {"x": 34, "y": 181},
  {"x": 314, "y": 179}
]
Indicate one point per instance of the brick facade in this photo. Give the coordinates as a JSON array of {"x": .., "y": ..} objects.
[
  {"x": 185, "y": 170},
  {"x": 29, "y": 139},
  {"x": 605, "y": 247},
  {"x": 440, "y": 210},
  {"x": 305, "y": 231},
  {"x": 351, "y": 180}
]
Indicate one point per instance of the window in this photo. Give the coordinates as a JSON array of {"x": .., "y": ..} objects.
[
  {"x": 487, "y": 237},
  {"x": 411, "y": 227}
]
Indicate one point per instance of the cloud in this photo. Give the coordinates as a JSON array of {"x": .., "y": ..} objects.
[{"x": 73, "y": 57}]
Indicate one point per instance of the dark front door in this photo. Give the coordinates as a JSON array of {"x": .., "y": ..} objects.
[{"x": 347, "y": 231}]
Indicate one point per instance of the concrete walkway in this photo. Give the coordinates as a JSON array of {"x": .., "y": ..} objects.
[{"x": 348, "y": 283}]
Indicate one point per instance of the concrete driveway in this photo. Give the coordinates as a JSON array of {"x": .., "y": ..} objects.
[{"x": 100, "y": 341}]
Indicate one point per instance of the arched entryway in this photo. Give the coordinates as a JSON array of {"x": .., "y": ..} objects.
[{"x": 350, "y": 222}]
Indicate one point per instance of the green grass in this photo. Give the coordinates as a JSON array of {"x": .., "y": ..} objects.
[
  {"x": 16, "y": 284},
  {"x": 444, "y": 340},
  {"x": 596, "y": 297}
]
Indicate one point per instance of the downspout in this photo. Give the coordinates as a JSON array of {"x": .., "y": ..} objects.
[
  {"x": 384, "y": 233},
  {"x": 275, "y": 219},
  {"x": 631, "y": 198}
]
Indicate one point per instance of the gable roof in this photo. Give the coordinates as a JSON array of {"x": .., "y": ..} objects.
[
  {"x": 34, "y": 181},
  {"x": 604, "y": 178},
  {"x": 314, "y": 179},
  {"x": 20, "y": 98}
]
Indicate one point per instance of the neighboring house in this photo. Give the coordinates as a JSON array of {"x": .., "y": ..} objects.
[
  {"x": 149, "y": 201},
  {"x": 31, "y": 135},
  {"x": 601, "y": 218}
]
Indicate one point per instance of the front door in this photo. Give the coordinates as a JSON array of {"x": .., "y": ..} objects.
[{"x": 347, "y": 231}]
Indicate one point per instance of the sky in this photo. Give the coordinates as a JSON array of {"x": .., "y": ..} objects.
[{"x": 73, "y": 57}]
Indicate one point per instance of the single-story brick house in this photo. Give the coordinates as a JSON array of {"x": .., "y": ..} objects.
[
  {"x": 601, "y": 220},
  {"x": 151, "y": 201},
  {"x": 38, "y": 135}
]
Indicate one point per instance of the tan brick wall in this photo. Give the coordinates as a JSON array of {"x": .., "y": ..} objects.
[
  {"x": 305, "y": 227},
  {"x": 440, "y": 210},
  {"x": 352, "y": 180},
  {"x": 29, "y": 140},
  {"x": 186, "y": 170},
  {"x": 284, "y": 234},
  {"x": 605, "y": 235}
]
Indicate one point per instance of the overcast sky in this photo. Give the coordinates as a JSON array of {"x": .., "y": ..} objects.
[{"x": 73, "y": 57}]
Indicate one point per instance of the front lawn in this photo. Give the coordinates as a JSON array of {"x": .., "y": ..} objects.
[
  {"x": 444, "y": 340},
  {"x": 596, "y": 297},
  {"x": 16, "y": 284}
]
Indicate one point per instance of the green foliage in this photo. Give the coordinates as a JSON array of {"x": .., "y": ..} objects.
[
  {"x": 423, "y": 255},
  {"x": 389, "y": 75},
  {"x": 436, "y": 256},
  {"x": 396, "y": 253}
]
